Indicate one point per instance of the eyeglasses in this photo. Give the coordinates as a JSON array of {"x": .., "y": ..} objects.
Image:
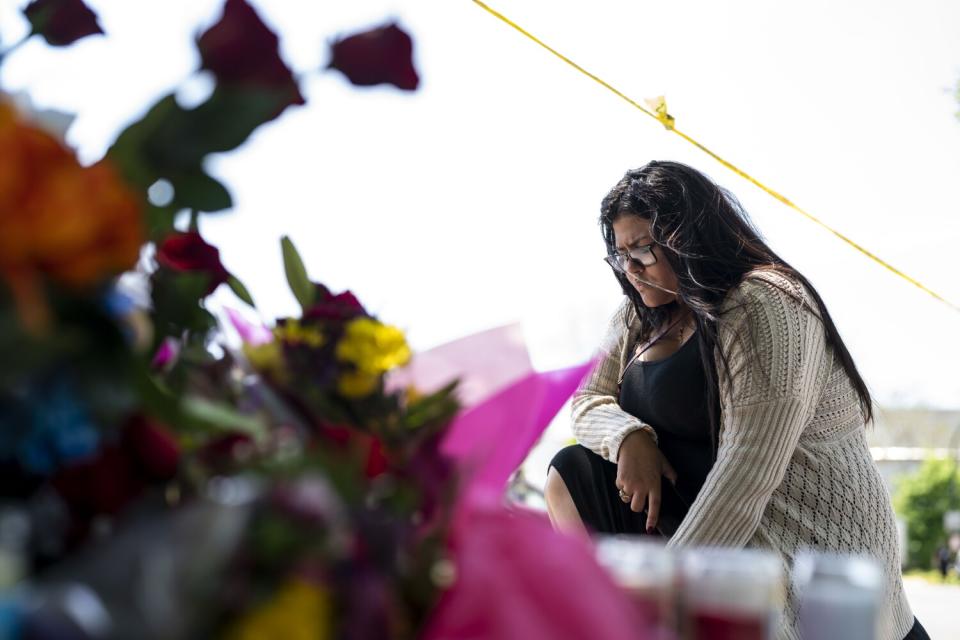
[{"x": 642, "y": 255}]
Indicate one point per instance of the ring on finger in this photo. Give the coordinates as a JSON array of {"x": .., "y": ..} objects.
[{"x": 624, "y": 496}]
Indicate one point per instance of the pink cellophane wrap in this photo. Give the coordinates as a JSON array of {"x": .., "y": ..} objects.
[
  {"x": 250, "y": 333},
  {"x": 515, "y": 576},
  {"x": 518, "y": 578},
  {"x": 490, "y": 440},
  {"x": 484, "y": 363}
]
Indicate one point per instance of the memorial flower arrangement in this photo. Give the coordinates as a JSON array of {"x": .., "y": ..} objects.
[{"x": 284, "y": 489}]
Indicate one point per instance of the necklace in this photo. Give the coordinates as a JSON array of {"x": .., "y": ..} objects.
[{"x": 638, "y": 352}]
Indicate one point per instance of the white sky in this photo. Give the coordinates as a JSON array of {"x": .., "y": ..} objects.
[{"x": 473, "y": 202}]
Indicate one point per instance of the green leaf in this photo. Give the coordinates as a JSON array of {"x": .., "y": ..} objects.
[
  {"x": 297, "y": 278},
  {"x": 172, "y": 142},
  {"x": 159, "y": 221},
  {"x": 222, "y": 416},
  {"x": 177, "y": 303},
  {"x": 240, "y": 291},
  {"x": 196, "y": 190},
  {"x": 134, "y": 149}
]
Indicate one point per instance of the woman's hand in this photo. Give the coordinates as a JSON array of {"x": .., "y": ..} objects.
[{"x": 640, "y": 463}]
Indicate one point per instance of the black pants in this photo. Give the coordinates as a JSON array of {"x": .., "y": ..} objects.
[{"x": 591, "y": 481}]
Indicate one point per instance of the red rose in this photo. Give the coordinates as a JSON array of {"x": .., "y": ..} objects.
[
  {"x": 61, "y": 22},
  {"x": 223, "y": 453},
  {"x": 370, "y": 449},
  {"x": 188, "y": 252},
  {"x": 153, "y": 447},
  {"x": 104, "y": 484},
  {"x": 242, "y": 51},
  {"x": 341, "y": 307},
  {"x": 378, "y": 56},
  {"x": 377, "y": 462}
]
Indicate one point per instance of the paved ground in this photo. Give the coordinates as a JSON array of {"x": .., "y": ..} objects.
[{"x": 937, "y": 606}]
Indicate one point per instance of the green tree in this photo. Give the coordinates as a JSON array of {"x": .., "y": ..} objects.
[{"x": 921, "y": 499}]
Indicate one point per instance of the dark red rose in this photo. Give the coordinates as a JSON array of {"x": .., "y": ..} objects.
[
  {"x": 242, "y": 51},
  {"x": 188, "y": 252},
  {"x": 61, "y": 22},
  {"x": 341, "y": 307},
  {"x": 377, "y": 462},
  {"x": 224, "y": 453},
  {"x": 152, "y": 447},
  {"x": 102, "y": 485},
  {"x": 331, "y": 434},
  {"x": 378, "y": 56},
  {"x": 368, "y": 448}
]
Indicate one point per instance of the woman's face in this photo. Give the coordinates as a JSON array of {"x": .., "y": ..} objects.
[{"x": 657, "y": 283}]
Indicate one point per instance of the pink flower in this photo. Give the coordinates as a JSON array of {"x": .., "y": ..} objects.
[{"x": 166, "y": 355}]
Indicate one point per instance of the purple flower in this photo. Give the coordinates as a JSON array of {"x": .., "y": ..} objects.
[{"x": 166, "y": 356}]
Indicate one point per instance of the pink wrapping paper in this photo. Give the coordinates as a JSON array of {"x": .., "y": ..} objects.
[
  {"x": 491, "y": 439},
  {"x": 484, "y": 362},
  {"x": 518, "y": 578},
  {"x": 515, "y": 576},
  {"x": 250, "y": 333}
]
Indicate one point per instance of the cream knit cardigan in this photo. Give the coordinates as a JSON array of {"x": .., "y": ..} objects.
[{"x": 793, "y": 469}]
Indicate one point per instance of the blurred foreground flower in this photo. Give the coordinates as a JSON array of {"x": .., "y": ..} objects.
[
  {"x": 243, "y": 53},
  {"x": 47, "y": 427},
  {"x": 333, "y": 307},
  {"x": 378, "y": 56},
  {"x": 373, "y": 348},
  {"x": 300, "y": 610},
  {"x": 188, "y": 252},
  {"x": 61, "y": 22},
  {"x": 72, "y": 225},
  {"x": 145, "y": 452}
]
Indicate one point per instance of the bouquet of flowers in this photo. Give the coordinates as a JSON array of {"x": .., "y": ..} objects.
[{"x": 274, "y": 489}]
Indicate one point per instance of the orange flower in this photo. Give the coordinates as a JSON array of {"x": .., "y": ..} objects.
[{"x": 72, "y": 225}]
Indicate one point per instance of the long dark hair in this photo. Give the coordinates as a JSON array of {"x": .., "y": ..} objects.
[{"x": 711, "y": 244}]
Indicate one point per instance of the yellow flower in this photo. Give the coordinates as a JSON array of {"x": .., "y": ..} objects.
[
  {"x": 354, "y": 384},
  {"x": 266, "y": 358},
  {"x": 298, "y": 611},
  {"x": 373, "y": 347},
  {"x": 292, "y": 332}
]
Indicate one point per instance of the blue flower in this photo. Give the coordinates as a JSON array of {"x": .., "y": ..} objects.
[{"x": 47, "y": 427}]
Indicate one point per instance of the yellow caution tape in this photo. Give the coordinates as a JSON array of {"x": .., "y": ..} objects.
[{"x": 658, "y": 111}]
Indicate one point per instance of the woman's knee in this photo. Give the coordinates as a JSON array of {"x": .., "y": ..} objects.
[
  {"x": 555, "y": 491},
  {"x": 570, "y": 459},
  {"x": 561, "y": 508},
  {"x": 567, "y": 465}
]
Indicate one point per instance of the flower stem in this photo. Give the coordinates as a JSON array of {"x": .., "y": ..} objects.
[{"x": 14, "y": 47}]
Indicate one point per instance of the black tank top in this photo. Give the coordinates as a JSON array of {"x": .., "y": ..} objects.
[{"x": 670, "y": 395}]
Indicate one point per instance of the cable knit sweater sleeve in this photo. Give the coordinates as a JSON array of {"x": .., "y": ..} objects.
[
  {"x": 598, "y": 421},
  {"x": 776, "y": 349}
]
